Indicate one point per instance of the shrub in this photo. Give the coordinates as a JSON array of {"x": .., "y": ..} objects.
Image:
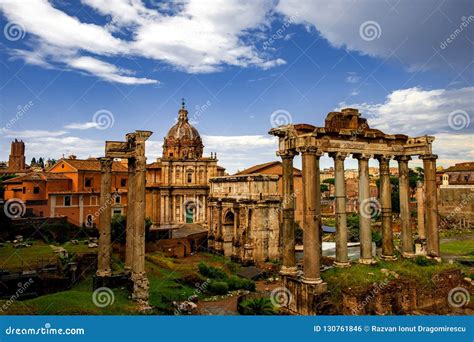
[
  {"x": 353, "y": 227},
  {"x": 377, "y": 238},
  {"x": 211, "y": 271},
  {"x": 423, "y": 261},
  {"x": 257, "y": 306},
  {"x": 218, "y": 287},
  {"x": 237, "y": 283}
]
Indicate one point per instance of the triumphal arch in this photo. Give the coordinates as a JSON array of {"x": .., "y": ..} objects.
[
  {"x": 132, "y": 149},
  {"x": 347, "y": 134}
]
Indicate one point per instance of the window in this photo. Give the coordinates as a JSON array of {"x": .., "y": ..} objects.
[
  {"x": 117, "y": 199},
  {"x": 93, "y": 200},
  {"x": 67, "y": 201},
  {"x": 190, "y": 177},
  {"x": 123, "y": 182},
  {"x": 117, "y": 212},
  {"x": 88, "y": 182},
  {"x": 36, "y": 190},
  {"x": 24, "y": 190}
]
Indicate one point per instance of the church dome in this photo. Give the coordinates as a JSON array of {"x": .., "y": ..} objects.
[{"x": 183, "y": 140}]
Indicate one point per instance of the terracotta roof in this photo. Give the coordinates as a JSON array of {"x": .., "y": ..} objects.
[
  {"x": 467, "y": 166},
  {"x": 38, "y": 177},
  {"x": 93, "y": 165},
  {"x": 258, "y": 168}
]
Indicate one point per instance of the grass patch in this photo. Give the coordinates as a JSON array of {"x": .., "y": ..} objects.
[
  {"x": 462, "y": 248},
  {"x": 39, "y": 252},
  {"x": 363, "y": 276}
]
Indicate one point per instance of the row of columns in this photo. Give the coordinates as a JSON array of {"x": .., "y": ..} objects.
[{"x": 312, "y": 210}]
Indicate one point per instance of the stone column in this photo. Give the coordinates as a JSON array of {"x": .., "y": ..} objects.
[
  {"x": 235, "y": 239},
  {"x": 130, "y": 230},
  {"x": 342, "y": 259},
  {"x": 288, "y": 226},
  {"x": 311, "y": 215},
  {"x": 420, "y": 205},
  {"x": 431, "y": 205},
  {"x": 365, "y": 210},
  {"x": 404, "y": 191},
  {"x": 220, "y": 236},
  {"x": 386, "y": 204},
  {"x": 105, "y": 218},
  {"x": 139, "y": 278}
]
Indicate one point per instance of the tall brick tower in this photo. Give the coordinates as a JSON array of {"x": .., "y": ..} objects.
[{"x": 17, "y": 156}]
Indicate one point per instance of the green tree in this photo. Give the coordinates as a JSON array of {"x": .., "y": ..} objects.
[
  {"x": 395, "y": 193},
  {"x": 324, "y": 187},
  {"x": 353, "y": 227},
  {"x": 329, "y": 181},
  {"x": 33, "y": 161}
]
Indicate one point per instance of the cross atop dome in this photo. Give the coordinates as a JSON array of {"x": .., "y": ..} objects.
[{"x": 183, "y": 104}]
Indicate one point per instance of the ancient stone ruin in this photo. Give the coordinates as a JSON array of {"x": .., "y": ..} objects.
[
  {"x": 133, "y": 149},
  {"x": 347, "y": 133}
]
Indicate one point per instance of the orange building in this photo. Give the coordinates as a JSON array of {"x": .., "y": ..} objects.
[{"x": 71, "y": 188}]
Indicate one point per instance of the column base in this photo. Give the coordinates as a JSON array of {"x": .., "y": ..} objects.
[
  {"x": 367, "y": 261},
  {"x": 342, "y": 264},
  {"x": 388, "y": 257},
  {"x": 289, "y": 271},
  {"x": 436, "y": 258},
  {"x": 408, "y": 255},
  {"x": 140, "y": 287},
  {"x": 311, "y": 281},
  {"x": 420, "y": 247},
  {"x": 104, "y": 273}
]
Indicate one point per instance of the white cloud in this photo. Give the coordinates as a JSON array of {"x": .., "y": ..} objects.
[
  {"x": 194, "y": 36},
  {"x": 31, "y": 133},
  {"x": 352, "y": 77},
  {"x": 106, "y": 71},
  {"x": 414, "y": 28},
  {"x": 82, "y": 126},
  {"x": 416, "y": 111}
]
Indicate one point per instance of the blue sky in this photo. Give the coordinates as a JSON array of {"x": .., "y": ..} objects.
[{"x": 408, "y": 67}]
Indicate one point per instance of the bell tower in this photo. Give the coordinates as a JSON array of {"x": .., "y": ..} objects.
[{"x": 16, "y": 161}]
